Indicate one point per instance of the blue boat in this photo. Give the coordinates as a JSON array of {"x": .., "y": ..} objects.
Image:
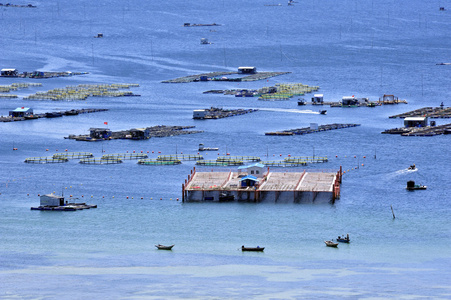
[{"x": 344, "y": 239}]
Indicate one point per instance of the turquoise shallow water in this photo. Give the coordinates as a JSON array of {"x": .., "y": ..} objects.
[{"x": 362, "y": 48}]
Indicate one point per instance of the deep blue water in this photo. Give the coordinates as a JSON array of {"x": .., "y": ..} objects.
[{"x": 362, "y": 48}]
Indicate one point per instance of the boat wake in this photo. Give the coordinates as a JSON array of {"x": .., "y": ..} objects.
[{"x": 296, "y": 111}]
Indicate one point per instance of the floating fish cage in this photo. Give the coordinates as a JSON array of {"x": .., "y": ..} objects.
[
  {"x": 219, "y": 163},
  {"x": 96, "y": 161},
  {"x": 240, "y": 158},
  {"x": 46, "y": 160},
  {"x": 129, "y": 156},
  {"x": 83, "y": 91},
  {"x": 312, "y": 159},
  {"x": 283, "y": 163},
  {"x": 73, "y": 155},
  {"x": 159, "y": 162},
  {"x": 180, "y": 157}
]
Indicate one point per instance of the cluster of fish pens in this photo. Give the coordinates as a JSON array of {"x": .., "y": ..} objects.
[
  {"x": 172, "y": 159},
  {"x": 83, "y": 91},
  {"x": 285, "y": 91},
  {"x": 15, "y": 87}
]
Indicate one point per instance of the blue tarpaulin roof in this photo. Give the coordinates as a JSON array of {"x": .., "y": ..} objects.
[{"x": 249, "y": 177}]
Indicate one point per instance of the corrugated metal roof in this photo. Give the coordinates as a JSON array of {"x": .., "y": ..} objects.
[{"x": 249, "y": 177}]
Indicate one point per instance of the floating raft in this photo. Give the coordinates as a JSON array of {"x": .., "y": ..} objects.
[
  {"x": 421, "y": 131},
  {"x": 66, "y": 207},
  {"x": 175, "y": 157},
  {"x": 46, "y": 160},
  {"x": 307, "y": 130},
  {"x": 96, "y": 161},
  {"x": 159, "y": 162},
  {"x": 430, "y": 112},
  {"x": 216, "y": 163},
  {"x": 122, "y": 156},
  {"x": 154, "y": 131},
  {"x": 72, "y": 112},
  {"x": 219, "y": 113},
  {"x": 73, "y": 155},
  {"x": 220, "y": 76}
]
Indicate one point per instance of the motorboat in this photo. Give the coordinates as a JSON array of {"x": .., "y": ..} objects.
[
  {"x": 331, "y": 244},
  {"x": 258, "y": 248},
  {"x": 323, "y": 112},
  {"x": 412, "y": 167},
  {"x": 163, "y": 247}
]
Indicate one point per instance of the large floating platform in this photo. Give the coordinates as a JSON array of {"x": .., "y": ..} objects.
[
  {"x": 430, "y": 112},
  {"x": 219, "y": 113},
  {"x": 222, "y": 76},
  {"x": 266, "y": 186}
]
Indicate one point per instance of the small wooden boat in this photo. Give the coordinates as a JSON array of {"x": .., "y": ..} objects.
[
  {"x": 301, "y": 102},
  {"x": 163, "y": 247},
  {"x": 411, "y": 186},
  {"x": 331, "y": 244},
  {"x": 258, "y": 248}
]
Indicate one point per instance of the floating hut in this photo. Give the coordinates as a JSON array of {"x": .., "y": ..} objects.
[
  {"x": 21, "y": 112},
  {"x": 416, "y": 122},
  {"x": 9, "y": 73},
  {"x": 318, "y": 99},
  {"x": 247, "y": 70},
  {"x": 271, "y": 186}
]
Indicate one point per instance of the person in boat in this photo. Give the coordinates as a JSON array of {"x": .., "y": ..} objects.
[{"x": 412, "y": 167}]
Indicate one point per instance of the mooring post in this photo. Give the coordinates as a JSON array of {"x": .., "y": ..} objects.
[{"x": 392, "y": 212}]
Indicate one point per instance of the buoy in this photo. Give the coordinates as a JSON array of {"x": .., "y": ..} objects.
[
  {"x": 141, "y": 151},
  {"x": 152, "y": 151},
  {"x": 56, "y": 150},
  {"x": 181, "y": 152},
  {"x": 159, "y": 151},
  {"x": 46, "y": 149},
  {"x": 147, "y": 151},
  {"x": 170, "y": 198},
  {"x": 113, "y": 196},
  {"x": 103, "y": 196},
  {"x": 14, "y": 149},
  {"x": 65, "y": 150},
  {"x": 364, "y": 157},
  {"x": 177, "y": 199},
  {"x": 355, "y": 156},
  {"x": 70, "y": 195},
  {"x": 133, "y": 151},
  {"x": 92, "y": 196},
  {"x": 289, "y": 155},
  {"x": 151, "y": 198},
  {"x": 127, "y": 197},
  {"x": 132, "y": 197},
  {"x": 82, "y": 196},
  {"x": 28, "y": 194},
  {"x": 336, "y": 155},
  {"x": 142, "y": 198},
  {"x": 362, "y": 165},
  {"x": 161, "y": 198},
  {"x": 39, "y": 195},
  {"x": 228, "y": 153}
]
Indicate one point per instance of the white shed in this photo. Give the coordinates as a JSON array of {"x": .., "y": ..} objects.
[
  {"x": 256, "y": 169},
  {"x": 416, "y": 122},
  {"x": 52, "y": 200},
  {"x": 318, "y": 98},
  {"x": 199, "y": 114}
]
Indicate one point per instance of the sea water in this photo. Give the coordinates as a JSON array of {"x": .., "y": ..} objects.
[{"x": 362, "y": 48}]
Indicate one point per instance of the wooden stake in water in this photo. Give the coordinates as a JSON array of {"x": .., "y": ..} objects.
[{"x": 392, "y": 212}]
